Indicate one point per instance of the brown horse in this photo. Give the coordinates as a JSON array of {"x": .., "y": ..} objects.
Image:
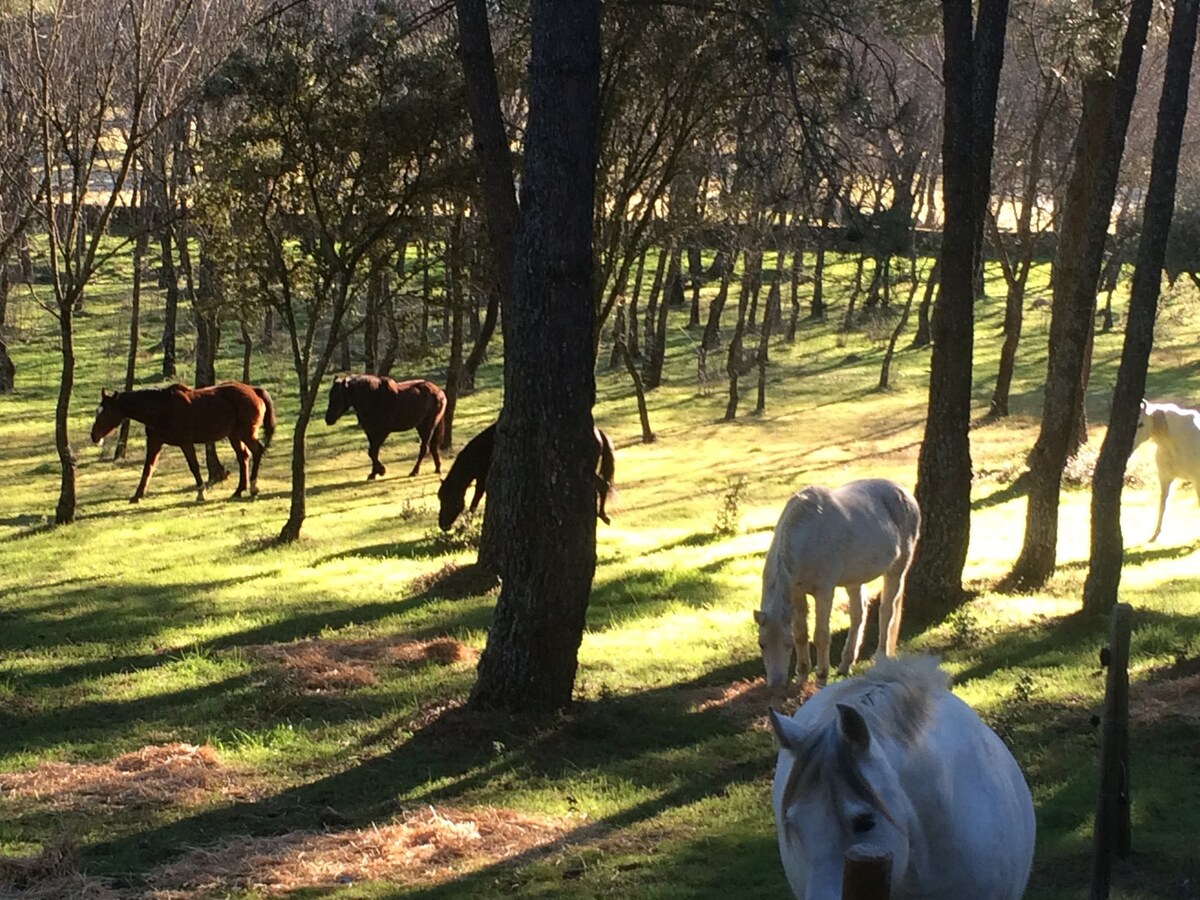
[
  {"x": 383, "y": 405},
  {"x": 475, "y": 460},
  {"x": 183, "y": 417}
]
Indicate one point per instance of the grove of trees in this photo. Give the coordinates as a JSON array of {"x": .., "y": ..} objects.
[{"x": 362, "y": 179}]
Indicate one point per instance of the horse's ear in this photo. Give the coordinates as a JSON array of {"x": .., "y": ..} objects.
[
  {"x": 105, "y": 393},
  {"x": 1143, "y": 406},
  {"x": 758, "y": 617},
  {"x": 787, "y": 732},
  {"x": 853, "y": 727}
]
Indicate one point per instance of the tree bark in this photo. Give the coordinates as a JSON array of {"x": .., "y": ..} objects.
[
  {"x": 1107, "y": 548},
  {"x": 944, "y": 465},
  {"x": 542, "y": 482},
  {"x": 1069, "y": 339}
]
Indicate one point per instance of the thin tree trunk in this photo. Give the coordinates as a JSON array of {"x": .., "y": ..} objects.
[
  {"x": 140, "y": 246},
  {"x": 1107, "y": 548},
  {"x": 1069, "y": 337}
]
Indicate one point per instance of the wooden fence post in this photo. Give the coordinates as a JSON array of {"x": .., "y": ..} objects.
[
  {"x": 865, "y": 875},
  {"x": 1111, "y": 832}
]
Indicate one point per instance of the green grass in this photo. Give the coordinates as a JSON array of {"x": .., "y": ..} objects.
[{"x": 150, "y": 624}]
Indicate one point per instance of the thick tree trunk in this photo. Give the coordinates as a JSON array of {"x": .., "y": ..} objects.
[
  {"x": 8, "y": 372},
  {"x": 1107, "y": 550},
  {"x": 64, "y": 512},
  {"x": 297, "y": 509},
  {"x": 1069, "y": 337},
  {"x": 541, "y": 487},
  {"x": 944, "y": 465}
]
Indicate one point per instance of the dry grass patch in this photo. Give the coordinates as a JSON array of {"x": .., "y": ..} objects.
[
  {"x": 166, "y": 774},
  {"x": 747, "y": 701},
  {"x": 53, "y": 874},
  {"x": 426, "y": 846},
  {"x": 320, "y": 666},
  {"x": 1154, "y": 701}
]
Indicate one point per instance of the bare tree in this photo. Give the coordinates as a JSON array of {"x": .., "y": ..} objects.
[{"x": 1107, "y": 551}]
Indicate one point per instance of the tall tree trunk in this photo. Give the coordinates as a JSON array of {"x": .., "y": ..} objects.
[
  {"x": 633, "y": 347},
  {"x": 1107, "y": 549},
  {"x": 1069, "y": 332},
  {"x": 971, "y": 69},
  {"x": 64, "y": 512},
  {"x": 735, "y": 365},
  {"x": 456, "y": 300},
  {"x": 542, "y": 480},
  {"x": 140, "y": 246}
]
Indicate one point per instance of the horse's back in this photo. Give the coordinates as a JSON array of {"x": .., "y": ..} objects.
[
  {"x": 214, "y": 412},
  {"x": 845, "y": 535},
  {"x": 1180, "y": 446}
]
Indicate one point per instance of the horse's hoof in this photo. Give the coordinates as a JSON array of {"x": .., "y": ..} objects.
[
  {"x": 254, "y": 490},
  {"x": 822, "y": 676},
  {"x": 605, "y": 519},
  {"x": 135, "y": 499}
]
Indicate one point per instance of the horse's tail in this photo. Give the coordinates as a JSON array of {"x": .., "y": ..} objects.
[
  {"x": 605, "y": 470},
  {"x": 438, "y": 432},
  {"x": 268, "y": 422}
]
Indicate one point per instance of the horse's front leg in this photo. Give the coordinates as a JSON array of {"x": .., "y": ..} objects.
[
  {"x": 823, "y": 607},
  {"x": 374, "y": 442},
  {"x": 153, "y": 448},
  {"x": 189, "y": 453},
  {"x": 601, "y": 496},
  {"x": 800, "y": 636},
  {"x": 891, "y": 608},
  {"x": 1165, "y": 482},
  {"x": 858, "y": 611}
]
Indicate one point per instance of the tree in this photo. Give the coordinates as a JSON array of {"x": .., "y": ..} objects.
[
  {"x": 92, "y": 64},
  {"x": 541, "y": 486},
  {"x": 971, "y": 72},
  {"x": 1070, "y": 330},
  {"x": 331, "y": 145},
  {"x": 1107, "y": 551}
]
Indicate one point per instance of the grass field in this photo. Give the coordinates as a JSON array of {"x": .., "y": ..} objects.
[{"x": 198, "y": 712}]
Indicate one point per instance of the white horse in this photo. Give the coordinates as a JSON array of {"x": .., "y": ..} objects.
[
  {"x": 824, "y": 538},
  {"x": 1176, "y": 435},
  {"x": 891, "y": 761}
]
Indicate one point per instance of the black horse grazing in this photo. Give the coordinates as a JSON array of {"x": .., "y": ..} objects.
[
  {"x": 383, "y": 405},
  {"x": 183, "y": 417},
  {"x": 474, "y": 461}
]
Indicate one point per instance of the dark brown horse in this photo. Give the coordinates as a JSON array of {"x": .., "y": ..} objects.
[
  {"x": 183, "y": 417},
  {"x": 475, "y": 460},
  {"x": 383, "y": 405}
]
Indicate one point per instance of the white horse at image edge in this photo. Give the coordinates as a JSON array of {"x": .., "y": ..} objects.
[
  {"x": 1176, "y": 435},
  {"x": 826, "y": 537},
  {"x": 891, "y": 761}
]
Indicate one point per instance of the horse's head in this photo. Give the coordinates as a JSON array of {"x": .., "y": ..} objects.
[
  {"x": 835, "y": 790},
  {"x": 339, "y": 399},
  {"x": 108, "y": 415},
  {"x": 450, "y": 505},
  {"x": 1145, "y": 426},
  {"x": 775, "y": 642}
]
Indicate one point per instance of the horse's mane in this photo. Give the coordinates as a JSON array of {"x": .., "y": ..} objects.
[{"x": 895, "y": 697}]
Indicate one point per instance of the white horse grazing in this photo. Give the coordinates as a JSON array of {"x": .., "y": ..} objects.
[
  {"x": 825, "y": 538},
  {"x": 1176, "y": 435},
  {"x": 891, "y": 761}
]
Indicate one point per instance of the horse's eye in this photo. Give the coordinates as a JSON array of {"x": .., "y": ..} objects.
[{"x": 862, "y": 823}]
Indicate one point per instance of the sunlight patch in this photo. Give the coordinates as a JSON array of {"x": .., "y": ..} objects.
[
  {"x": 176, "y": 774},
  {"x": 320, "y": 666},
  {"x": 426, "y": 846}
]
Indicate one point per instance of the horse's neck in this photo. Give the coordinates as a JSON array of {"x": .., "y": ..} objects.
[{"x": 144, "y": 406}]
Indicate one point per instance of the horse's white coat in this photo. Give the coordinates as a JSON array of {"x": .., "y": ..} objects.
[
  {"x": 1176, "y": 435},
  {"x": 824, "y": 538},
  {"x": 892, "y": 761}
]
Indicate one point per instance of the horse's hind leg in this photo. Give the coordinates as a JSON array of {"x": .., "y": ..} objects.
[
  {"x": 891, "y": 608},
  {"x": 189, "y": 453},
  {"x": 257, "y": 449},
  {"x": 243, "y": 462},
  {"x": 153, "y": 448},
  {"x": 428, "y": 445},
  {"x": 858, "y": 610},
  {"x": 602, "y": 487},
  {"x": 800, "y": 636}
]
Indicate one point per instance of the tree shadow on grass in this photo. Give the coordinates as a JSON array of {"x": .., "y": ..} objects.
[{"x": 457, "y": 751}]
